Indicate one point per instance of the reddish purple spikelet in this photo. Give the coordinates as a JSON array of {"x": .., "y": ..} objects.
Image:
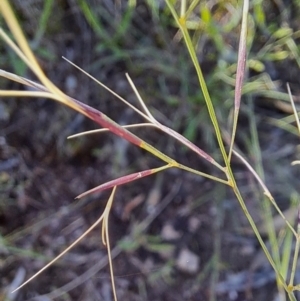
[
  {"x": 108, "y": 123},
  {"x": 118, "y": 182}
]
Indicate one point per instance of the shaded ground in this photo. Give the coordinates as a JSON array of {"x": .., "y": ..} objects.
[{"x": 158, "y": 222}]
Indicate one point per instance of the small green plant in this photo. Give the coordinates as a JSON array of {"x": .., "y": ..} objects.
[{"x": 184, "y": 21}]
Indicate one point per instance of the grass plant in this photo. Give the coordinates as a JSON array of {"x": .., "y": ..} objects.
[{"x": 182, "y": 13}]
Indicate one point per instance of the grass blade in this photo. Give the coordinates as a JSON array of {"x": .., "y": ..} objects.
[{"x": 240, "y": 73}]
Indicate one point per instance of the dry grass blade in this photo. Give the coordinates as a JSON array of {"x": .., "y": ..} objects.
[
  {"x": 294, "y": 107},
  {"x": 77, "y": 281},
  {"x": 266, "y": 191},
  {"x": 140, "y": 99},
  {"x": 110, "y": 91},
  {"x": 105, "y": 239},
  {"x": 240, "y": 73},
  {"x": 91, "y": 132},
  {"x": 104, "y": 218},
  {"x": 30, "y": 60}
]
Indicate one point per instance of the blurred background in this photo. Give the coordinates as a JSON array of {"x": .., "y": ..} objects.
[{"x": 174, "y": 236}]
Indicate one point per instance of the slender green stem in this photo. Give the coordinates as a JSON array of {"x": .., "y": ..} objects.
[
  {"x": 252, "y": 223},
  {"x": 199, "y": 173},
  {"x": 265, "y": 204},
  {"x": 182, "y": 25},
  {"x": 295, "y": 259},
  {"x": 292, "y": 296}
]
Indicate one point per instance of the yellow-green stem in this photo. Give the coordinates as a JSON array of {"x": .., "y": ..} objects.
[
  {"x": 199, "y": 173},
  {"x": 257, "y": 234},
  {"x": 182, "y": 25}
]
